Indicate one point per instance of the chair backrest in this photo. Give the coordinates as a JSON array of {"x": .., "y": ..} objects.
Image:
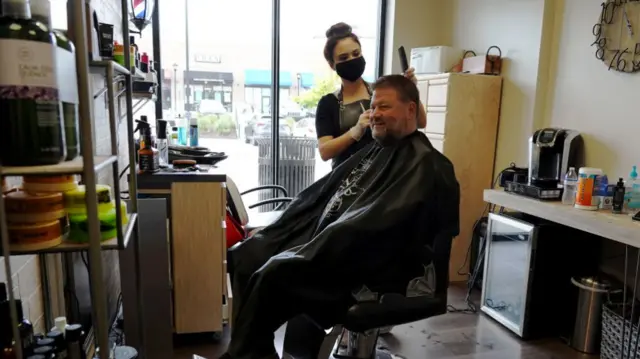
[{"x": 235, "y": 203}]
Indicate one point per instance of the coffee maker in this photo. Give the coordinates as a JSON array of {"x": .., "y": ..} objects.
[{"x": 551, "y": 152}]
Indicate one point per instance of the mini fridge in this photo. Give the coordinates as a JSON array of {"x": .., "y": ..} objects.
[{"x": 528, "y": 267}]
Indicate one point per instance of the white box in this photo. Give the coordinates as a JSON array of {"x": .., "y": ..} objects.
[{"x": 434, "y": 59}]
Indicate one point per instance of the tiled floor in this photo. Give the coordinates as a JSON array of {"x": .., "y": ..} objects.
[{"x": 450, "y": 336}]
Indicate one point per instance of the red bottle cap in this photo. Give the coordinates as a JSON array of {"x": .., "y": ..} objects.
[{"x": 145, "y": 58}]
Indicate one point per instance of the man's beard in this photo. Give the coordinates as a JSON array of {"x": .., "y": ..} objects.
[{"x": 385, "y": 139}]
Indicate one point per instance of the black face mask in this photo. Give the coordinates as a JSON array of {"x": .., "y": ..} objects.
[{"x": 351, "y": 70}]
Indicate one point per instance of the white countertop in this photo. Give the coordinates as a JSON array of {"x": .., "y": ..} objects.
[{"x": 616, "y": 227}]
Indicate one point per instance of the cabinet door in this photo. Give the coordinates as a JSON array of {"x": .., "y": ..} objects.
[{"x": 197, "y": 210}]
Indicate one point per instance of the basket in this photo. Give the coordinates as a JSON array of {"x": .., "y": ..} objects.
[{"x": 612, "y": 323}]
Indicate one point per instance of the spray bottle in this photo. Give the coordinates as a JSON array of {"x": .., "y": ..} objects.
[{"x": 162, "y": 144}]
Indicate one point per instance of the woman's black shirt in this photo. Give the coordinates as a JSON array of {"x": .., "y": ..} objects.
[{"x": 330, "y": 123}]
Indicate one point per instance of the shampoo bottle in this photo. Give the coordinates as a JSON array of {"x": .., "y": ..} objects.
[
  {"x": 66, "y": 73},
  {"x": 31, "y": 130}
]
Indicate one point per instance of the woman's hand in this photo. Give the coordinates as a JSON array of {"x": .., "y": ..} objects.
[
  {"x": 364, "y": 121},
  {"x": 411, "y": 75}
]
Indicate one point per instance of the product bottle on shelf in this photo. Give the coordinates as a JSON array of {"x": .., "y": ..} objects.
[
  {"x": 133, "y": 53},
  {"x": 59, "y": 343},
  {"x": 183, "y": 130},
  {"x": 570, "y": 187},
  {"x": 152, "y": 71},
  {"x": 118, "y": 53},
  {"x": 66, "y": 73},
  {"x": 74, "y": 347},
  {"x": 148, "y": 157},
  {"x": 173, "y": 138},
  {"x": 632, "y": 192},
  {"x": 162, "y": 144},
  {"x": 618, "y": 197},
  {"x": 144, "y": 63},
  {"x": 6, "y": 334},
  {"x": 31, "y": 130},
  {"x": 153, "y": 137},
  {"x": 25, "y": 328},
  {"x": 193, "y": 132}
]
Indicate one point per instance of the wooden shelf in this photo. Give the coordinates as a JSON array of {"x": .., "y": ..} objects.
[
  {"x": 75, "y": 166},
  {"x": 110, "y": 244},
  {"x": 616, "y": 227}
]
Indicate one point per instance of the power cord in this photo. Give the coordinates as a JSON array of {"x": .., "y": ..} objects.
[
  {"x": 116, "y": 325},
  {"x": 473, "y": 274}
]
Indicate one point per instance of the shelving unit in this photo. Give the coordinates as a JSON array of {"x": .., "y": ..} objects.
[{"x": 88, "y": 166}]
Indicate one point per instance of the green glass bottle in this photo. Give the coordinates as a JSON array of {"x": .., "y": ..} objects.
[
  {"x": 67, "y": 77},
  {"x": 31, "y": 131}
]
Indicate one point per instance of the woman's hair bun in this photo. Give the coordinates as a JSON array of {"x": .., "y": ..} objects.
[{"x": 340, "y": 29}]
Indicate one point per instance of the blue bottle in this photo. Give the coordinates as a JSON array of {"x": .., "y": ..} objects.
[
  {"x": 193, "y": 135},
  {"x": 182, "y": 130}
]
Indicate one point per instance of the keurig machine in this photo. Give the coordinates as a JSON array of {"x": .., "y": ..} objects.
[{"x": 551, "y": 152}]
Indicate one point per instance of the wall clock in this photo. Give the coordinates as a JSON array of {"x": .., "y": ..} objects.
[{"x": 617, "y": 33}]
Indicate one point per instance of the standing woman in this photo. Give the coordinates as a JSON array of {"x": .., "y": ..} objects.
[{"x": 342, "y": 117}]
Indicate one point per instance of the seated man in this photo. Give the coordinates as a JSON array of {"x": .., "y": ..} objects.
[{"x": 363, "y": 224}]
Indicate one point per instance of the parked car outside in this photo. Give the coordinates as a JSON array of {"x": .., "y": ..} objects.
[
  {"x": 262, "y": 128},
  {"x": 305, "y": 128}
]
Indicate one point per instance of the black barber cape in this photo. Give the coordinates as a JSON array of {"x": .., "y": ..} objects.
[{"x": 407, "y": 194}]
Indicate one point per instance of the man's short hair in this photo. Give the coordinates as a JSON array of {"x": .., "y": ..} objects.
[{"x": 407, "y": 91}]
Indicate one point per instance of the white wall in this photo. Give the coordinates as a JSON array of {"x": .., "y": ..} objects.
[
  {"x": 516, "y": 27},
  {"x": 415, "y": 23},
  {"x": 552, "y": 77},
  {"x": 603, "y": 105}
]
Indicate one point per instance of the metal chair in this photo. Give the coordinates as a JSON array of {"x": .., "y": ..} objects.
[{"x": 257, "y": 220}]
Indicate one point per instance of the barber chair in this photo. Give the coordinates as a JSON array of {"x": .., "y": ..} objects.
[
  {"x": 258, "y": 220},
  {"x": 357, "y": 336}
]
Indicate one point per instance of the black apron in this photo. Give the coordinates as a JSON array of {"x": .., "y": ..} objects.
[{"x": 348, "y": 116}]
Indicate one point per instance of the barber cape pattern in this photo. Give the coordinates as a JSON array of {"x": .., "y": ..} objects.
[{"x": 350, "y": 189}]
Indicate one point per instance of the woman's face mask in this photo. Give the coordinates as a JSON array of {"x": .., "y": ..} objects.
[{"x": 351, "y": 70}]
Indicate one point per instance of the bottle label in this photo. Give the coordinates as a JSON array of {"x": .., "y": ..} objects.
[
  {"x": 29, "y": 89},
  {"x": 70, "y": 113},
  {"x": 28, "y": 70},
  {"x": 149, "y": 162},
  {"x": 66, "y": 69}
]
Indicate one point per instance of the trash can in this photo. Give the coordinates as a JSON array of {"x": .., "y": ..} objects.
[
  {"x": 296, "y": 168},
  {"x": 592, "y": 294}
]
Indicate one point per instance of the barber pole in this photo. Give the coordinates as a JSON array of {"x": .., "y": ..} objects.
[{"x": 139, "y": 9}]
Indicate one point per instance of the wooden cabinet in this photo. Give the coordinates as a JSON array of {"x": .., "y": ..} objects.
[
  {"x": 462, "y": 122},
  {"x": 198, "y": 256}
]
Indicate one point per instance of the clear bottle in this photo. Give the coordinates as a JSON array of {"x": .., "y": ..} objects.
[
  {"x": 570, "y": 187},
  {"x": 162, "y": 144}
]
